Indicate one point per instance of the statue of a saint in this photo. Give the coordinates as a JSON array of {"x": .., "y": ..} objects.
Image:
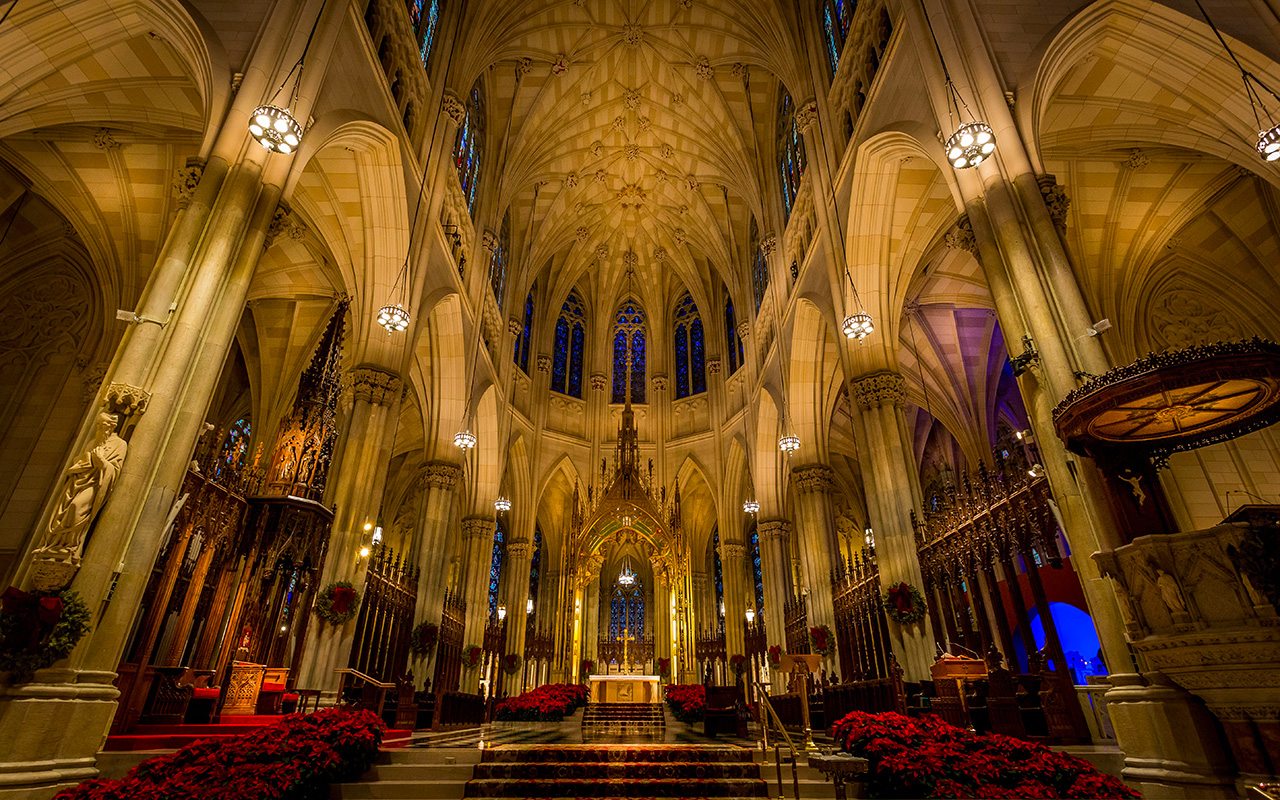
[
  {"x": 85, "y": 488},
  {"x": 1170, "y": 594}
]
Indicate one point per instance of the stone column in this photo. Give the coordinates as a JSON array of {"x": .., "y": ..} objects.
[
  {"x": 880, "y": 397},
  {"x": 816, "y": 535},
  {"x": 477, "y": 558},
  {"x": 355, "y": 491},
  {"x": 735, "y": 596},
  {"x": 515, "y": 596},
  {"x": 775, "y": 569},
  {"x": 433, "y": 542},
  {"x": 591, "y": 622}
]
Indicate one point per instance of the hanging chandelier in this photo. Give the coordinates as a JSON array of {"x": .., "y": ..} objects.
[
  {"x": 502, "y": 504},
  {"x": 274, "y": 126},
  {"x": 789, "y": 443},
  {"x": 465, "y": 439},
  {"x": 973, "y": 142},
  {"x": 750, "y": 506},
  {"x": 1269, "y": 133},
  {"x": 627, "y": 577},
  {"x": 858, "y": 326},
  {"x": 393, "y": 317}
]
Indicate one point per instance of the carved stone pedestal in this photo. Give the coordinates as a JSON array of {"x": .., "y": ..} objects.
[{"x": 54, "y": 725}]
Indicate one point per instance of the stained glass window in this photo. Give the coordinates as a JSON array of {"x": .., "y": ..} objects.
[
  {"x": 755, "y": 566},
  {"x": 521, "y": 356},
  {"x": 718, "y": 568},
  {"x": 736, "y": 357},
  {"x": 468, "y": 151},
  {"x": 235, "y": 451},
  {"x": 495, "y": 569},
  {"x": 566, "y": 363},
  {"x": 626, "y": 610},
  {"x": 628, "y": 338},
  {"x": 425, "y": 16},
  {"x": 498, "y": 263},
  {"x": 791, "y": 158},
  {"x": 535, "y": 565},
  {"x": 759, "y": 266},
  {"x": 691, "y": 371},
  {"x": 836, "y": 16}
]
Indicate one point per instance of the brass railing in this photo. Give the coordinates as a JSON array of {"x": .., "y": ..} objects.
[{"x": 764, "y": 742}]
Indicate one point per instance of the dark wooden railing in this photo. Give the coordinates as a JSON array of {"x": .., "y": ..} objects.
[
  {"x": 453, "y": 618},
  {"x": 796, "y": 626},
  {"x": 381, "y": 646},
  {"x": 862, "y": 632}
]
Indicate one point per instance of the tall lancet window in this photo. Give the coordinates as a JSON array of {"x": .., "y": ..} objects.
[
  {"x": 791, "y": 158},
  {"x": 498, "y": 264},
  {"x": 759, "y": 265},
  {"x": 566, "y": 364},
  {"x": 495, "y": 567},
  {"x": 425, "y": 16},
  {"x": 719, "y": 571},
  {"x": 626, "y": 608},
  {"x": 736, "y": 356},
  {"x": 521, "y": 357},
  {"x": 836, "y": 16},
  {"x": 691, "y": 370},
  {"x": 755, "y": 566},
  {"x": 468, "y": 150},
  {"x": 628, "y": 339}
]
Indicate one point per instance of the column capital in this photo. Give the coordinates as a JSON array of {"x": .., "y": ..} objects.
[
  {"x": 186, "y": 180},
  {"x": 518, "y": 548},
  {"x": 514, "y": 326},
  {"x": 599, "y": 381},
  {"x": 961, "y": 236},
  {"x": 659, "y": 382},
  {"x": 453, "y": 107},
  {"x": 768, "y": 243},
  {"x": 476, "y": 527},
  {"x": 373, "y": 385},
  {"x": 713, "y": 366},
  {"x": 1056, "y": 200},
  {"x": 489, "y": 241},
  {"x": 814, "y": 478},
  {"x": 544, "y": 362},
  {"x": 807, "y": 114},
  {"x": 733, "y": 550},
  {"x": 880, "y": 388},
  {"x": 744, "y": 329},
  {"x": 778, "y": 528},
  {"x": 440, "y": 474}
]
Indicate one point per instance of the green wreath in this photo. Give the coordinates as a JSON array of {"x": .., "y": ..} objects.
[
  {"x": 471, "y": 656},
  {"x": 904, "y": 604},
  {"x": 423, "y": 638},
  {"x": 338, "y": 603},
  {"x": 38, "y": 629}
]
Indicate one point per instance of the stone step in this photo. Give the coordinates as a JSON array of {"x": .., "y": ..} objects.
[
  {"x": 618, "y": 787},
  {"x": 399, "y": 790},
  {"x": 601, "y": 770},
  {"x": 570, "y": 753}
]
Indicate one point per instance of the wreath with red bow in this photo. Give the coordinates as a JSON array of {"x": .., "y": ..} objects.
[
  {"x": 820, "y": 640},
  {"x": 511, "y": 663},
  {"x": 338, "y": 603},
  {"x": 775, "y": 656},
  {"x": 471, "y": 656},
  {"x": 664, "y": 667},
  {"x": 38, "y": 629},
  {"x": 904, "y": 604},
  {"x": 423, "y": 638},
  {"x": 588, "y": 667},
  {"x": 738, "y": 663}
]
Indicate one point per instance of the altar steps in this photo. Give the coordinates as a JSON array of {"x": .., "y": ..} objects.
[{"x": 648, "y": 719}]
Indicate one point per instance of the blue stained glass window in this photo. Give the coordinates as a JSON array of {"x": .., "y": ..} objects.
[
  {"x": 718, "y": 569},
  {"x": 837, "y": 15},
  {"x": 495, "y": 569},
  {"x": 629, "y": 337},
  {"x": 535, "y": 565},
  {"x": 234, "y": 453},
  {"x": 626, "y": 610},
  {"x": 755, "y": 565},
  {"x": 426, "y": 23},
  {"x": 498, "y": 263},
  {"x": 791, "y": 157},
  {"x": 468, "y": 151},
  {"x": 566, "y": 364},
  {"x": 759, "y": 267},
  {"x": 736, "y": 357},
  {"x": 521, "y": 356},
  {"x": 691, "y": 368}
]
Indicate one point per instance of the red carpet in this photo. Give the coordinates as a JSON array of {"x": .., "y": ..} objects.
[{"x": 687, "y": 771}]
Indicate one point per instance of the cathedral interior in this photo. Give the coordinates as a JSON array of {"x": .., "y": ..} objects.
[{"x": 465, "y": 347}]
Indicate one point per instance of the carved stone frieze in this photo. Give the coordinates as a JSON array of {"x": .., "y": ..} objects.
[
  {"x": 814, "y": 478},
  {"x": 774, "y": 528},
  {"x": 126, "y": 400},
  {"x": 879, "y": 389},
  {"x": 374, "y": 386},
  {"x": 440, "y": 474},
  {"x": 453, "y": 107}
]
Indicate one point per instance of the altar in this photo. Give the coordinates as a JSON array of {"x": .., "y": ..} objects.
[{"x": 624, "y": 689}]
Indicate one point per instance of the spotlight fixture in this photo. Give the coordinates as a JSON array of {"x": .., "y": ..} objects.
[
  {"x": 275, "y": 128},
  {"x": 858, "y": 326},
  {"x": 502, "y": 613},
  {"x": 1021, "y": 363},
  {"x": 1036, "y": 471},
  {"x": 364, "y": 551},
  {"x": 869, "y": 537},
  {"x": 368, "y": 526},
  {"x": 393, "y": 317},
  {"x": 1023, "y": 436},
  {"x": 751, "y": 506},
  {"x": 789, "y": 443},
  {"x": 502, "y": 504},
  {"x": 464, "y": 439}
]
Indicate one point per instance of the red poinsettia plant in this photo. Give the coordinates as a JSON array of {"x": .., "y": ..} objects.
[
  {"x": 338, "y": 603},
  {"x": 549, "y": 703},
  {"x": 511, "y": 663},
  {"x": 295, "y": 758},
  {"x": 904, "y": 604},
  {"x": 423, "y": 638},
  {"x": 775, "y": 656},
  {"x": 471, "y": 655},
  {"x": 821, "y": 640},
  {"x": 738, "y": 663},
  {"x": 686, "y": 700},
  {"x": 664, "y": 667},
  {"x": 927, "y": 757}
]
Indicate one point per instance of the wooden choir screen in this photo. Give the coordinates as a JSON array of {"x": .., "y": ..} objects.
[
  {"x": 796, "y": 625},
  {"x": 862, "y": 631},
  {"x": 449, "y": 647},
  {"x": 381, "y": 645}
]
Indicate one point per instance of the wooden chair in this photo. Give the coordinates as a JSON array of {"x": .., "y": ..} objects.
[
  {"x": 275, "y": 684},
  {"x": 204, "y": 698}
]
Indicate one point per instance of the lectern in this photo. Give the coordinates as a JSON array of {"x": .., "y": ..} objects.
[{"x": 803, "y": 665}]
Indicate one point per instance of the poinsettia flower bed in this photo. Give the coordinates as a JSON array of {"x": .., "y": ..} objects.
[
  {"x": 549, "y": 703},
  {"x": 687, "y": 701},
  {"x": 294, "y": 759},
  {"x": 926, "y": 757}
]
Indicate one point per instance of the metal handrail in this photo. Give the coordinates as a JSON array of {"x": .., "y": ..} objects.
[
  {"x": 764, "y": 744},
  {"x": 365, "y": 678}
]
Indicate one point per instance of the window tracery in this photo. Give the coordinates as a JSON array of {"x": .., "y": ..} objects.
[
  {"x": 791, "y": 157},
  {"x": 495, "y": 568},
  {"x": 759, "y": 265},
  {"x": 498, "y": 263},
  {"x": 425, "y": 16},
  {"x": 468, "y": 150},
  {"x": 836, "y": 17},
  {"x": 566, "y": 365},
  {"x": 628, "y": 338},
  {"x": 626, "y": 609},
  {"x": 736, "y": 356},
  {"x": 691, "y": 370},
  {"x": 521, "y": 356}
]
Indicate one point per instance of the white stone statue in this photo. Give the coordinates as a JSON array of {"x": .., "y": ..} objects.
[
  {"x": 85, "y": 488},
  {"x": 1169, "y": 591}
]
